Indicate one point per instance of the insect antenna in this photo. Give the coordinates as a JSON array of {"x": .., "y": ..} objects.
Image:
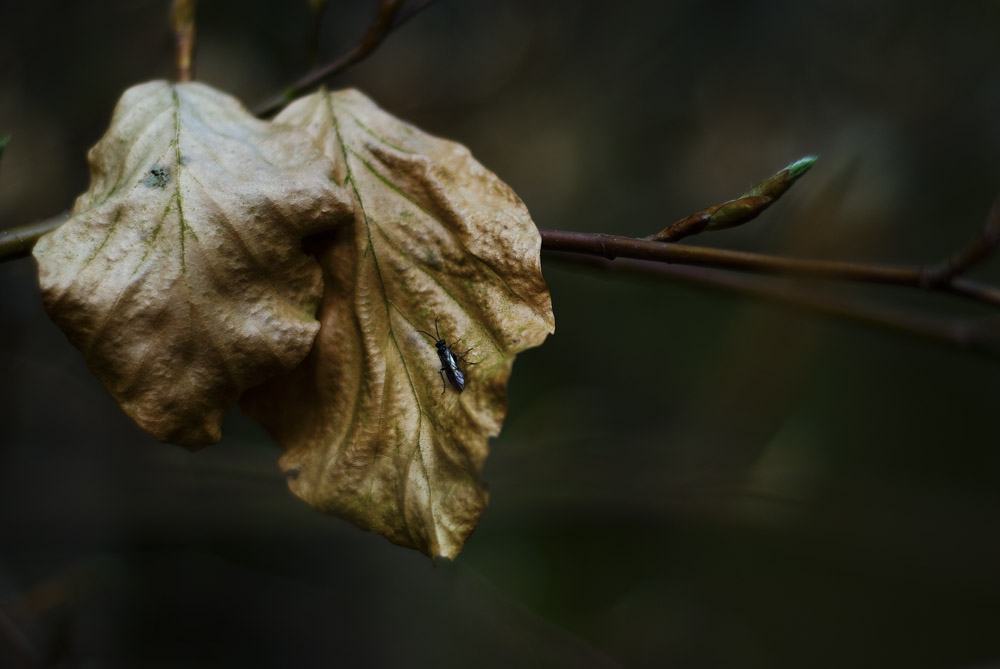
[
  {"x": 428, "y": 334},
  {"x": 436, "y": 332}
]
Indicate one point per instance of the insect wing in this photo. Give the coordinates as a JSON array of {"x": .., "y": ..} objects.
[{"x": 450, "y": 364}]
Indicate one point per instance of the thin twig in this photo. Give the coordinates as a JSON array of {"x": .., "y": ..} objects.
[
  {"x": 388, "y": 17},
  {"x": 613, "y": 246},
  {"x": 981, "y": 336},
  {"x": 18, "y": 242}
]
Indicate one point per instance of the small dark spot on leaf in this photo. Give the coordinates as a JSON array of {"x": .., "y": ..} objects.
[
  {"x": 158, "y": 177},
  {"x": 184, "y": 160},
  {"x": 292, "y": 474}
]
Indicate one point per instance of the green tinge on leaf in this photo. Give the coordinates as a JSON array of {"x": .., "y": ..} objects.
[{"x": 3, "y": 144}]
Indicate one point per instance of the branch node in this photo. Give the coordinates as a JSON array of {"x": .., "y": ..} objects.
[{"x": 976, "y": 251}]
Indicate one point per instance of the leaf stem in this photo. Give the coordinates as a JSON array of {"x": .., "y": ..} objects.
[
  {"x": 182, "y": 19},
  {"x": 18, "y": 242}
]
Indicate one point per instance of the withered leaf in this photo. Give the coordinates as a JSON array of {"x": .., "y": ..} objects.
[
  {"x": 181, "y": 275},
  {"x": 371, "y": 431}
]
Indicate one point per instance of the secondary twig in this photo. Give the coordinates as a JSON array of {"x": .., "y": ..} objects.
[
  {"x": 982, "y": 336},
  {"x": 978, "y": 250},
  {"x": 388, "y": 17}
]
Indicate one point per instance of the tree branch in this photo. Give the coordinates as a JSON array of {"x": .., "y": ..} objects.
[
  {"x": 700, "y": 266},
  {"x": 982, "y": 335},
  {"x": 388, "y": 17},
  {"x": 613, "y": 246},
  {"x": 652, "y": 256}
]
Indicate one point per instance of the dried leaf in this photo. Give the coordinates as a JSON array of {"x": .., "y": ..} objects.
[
  {"x": 437, "y": 241},
  {"x": 181, "y": 275}
]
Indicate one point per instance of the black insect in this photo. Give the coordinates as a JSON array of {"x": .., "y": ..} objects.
[{"x": 449, "y": 360}]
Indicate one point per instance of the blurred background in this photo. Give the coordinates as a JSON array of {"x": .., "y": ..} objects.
[{"x": 685, "y": 478}]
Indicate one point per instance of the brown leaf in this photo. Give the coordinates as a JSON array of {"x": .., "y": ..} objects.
[
  {"x": 437, "y": 240},
  {"x": 181, "y": 275}
]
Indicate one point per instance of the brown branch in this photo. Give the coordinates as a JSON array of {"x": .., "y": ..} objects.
[
  {"x": 388, "y": 17},
  {"x": 17, "y": 243},
  {"x": 981, "y": 336},
  {"x": 651, "y": 257},
  {"x": 613, "y": 246},
  {"x": 673, "y": 262}
]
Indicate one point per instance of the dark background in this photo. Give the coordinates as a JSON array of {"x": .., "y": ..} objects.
[{"x": 685, "y": 478}]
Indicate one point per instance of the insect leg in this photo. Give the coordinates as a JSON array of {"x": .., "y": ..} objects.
[
  {"x": 465, "y": 353},
  {"x": 443, "y": 388}
]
